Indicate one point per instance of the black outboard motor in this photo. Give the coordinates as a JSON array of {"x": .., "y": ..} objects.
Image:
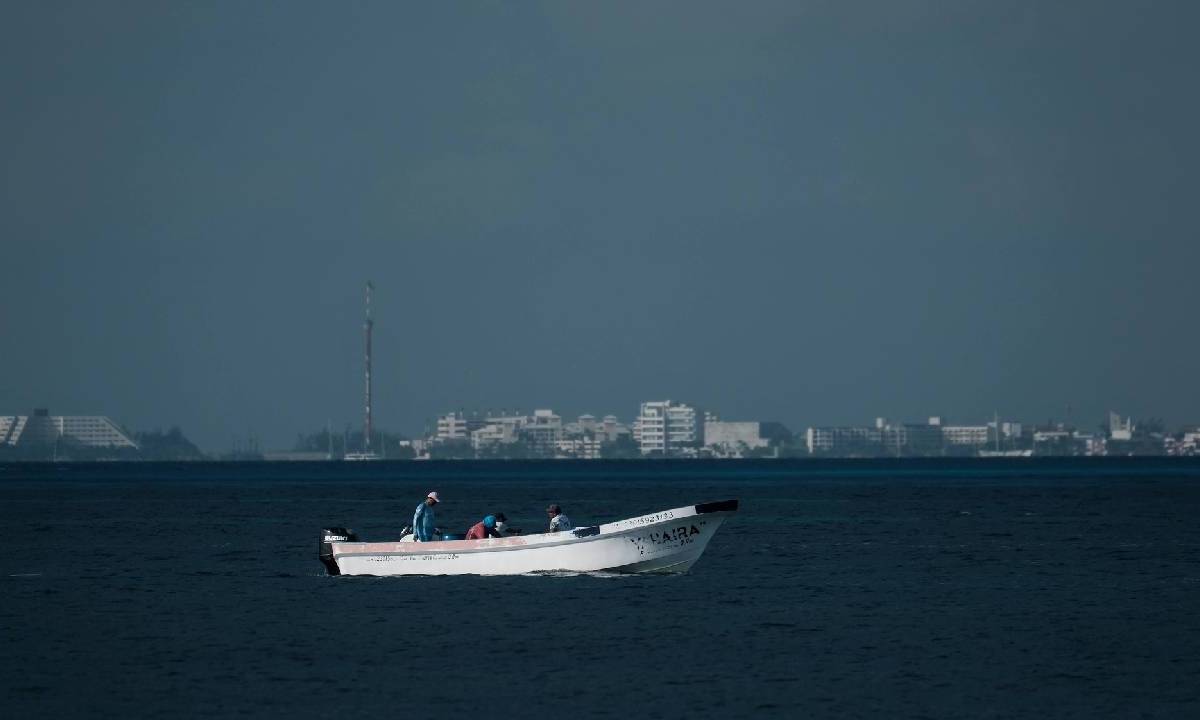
[{"x": 328, "y": 537}]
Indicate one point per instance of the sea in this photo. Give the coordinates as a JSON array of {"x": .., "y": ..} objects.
[{"x": 1005, "y": 588}]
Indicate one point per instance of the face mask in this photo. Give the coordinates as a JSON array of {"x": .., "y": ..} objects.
[{"x": 500, "y": 527}]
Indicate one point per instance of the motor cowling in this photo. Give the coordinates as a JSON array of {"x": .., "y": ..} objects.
[{"x": 328, "y": 537}]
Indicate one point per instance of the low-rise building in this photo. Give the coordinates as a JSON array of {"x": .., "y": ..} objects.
[
  {"x": 844, "y": 440},
  {"x": 1187, "y": 444},
  {"x": 1091, "y": 443},
  {"x": 1119, "y": 429},
  {"x": 733, "y": 438},
  {"x": 970, "y": 435},
  {"x": 451, "y": 427},
  {"x": 613, "y": 430},
  {"x": 493, "y": 433},
  {"x": 582, "y": 448},
  {"x": 914, "y": 439},
  {"x": 885, "y": 438}
]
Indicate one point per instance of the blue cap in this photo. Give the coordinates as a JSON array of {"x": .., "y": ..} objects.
[{"x": 489, "y": 521}]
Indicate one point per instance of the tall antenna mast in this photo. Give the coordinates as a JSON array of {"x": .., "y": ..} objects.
[{"x": 367, "y": 329}]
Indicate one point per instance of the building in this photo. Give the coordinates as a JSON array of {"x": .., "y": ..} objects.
[
  {"x": 543, "y": 432},
  {"x": 903, "y": 439},
  {"x": 42, "y": 428},
  {"x": 498, "y": 430},
  {"x": 451, "y": 427},
  {"x": 612, "y": 430},
  {"x": 493, "y": 434},
  {"x": 967, "y": 435},
  {"x": 583, "y": 448},
  {"x": 1188, "y": 444},
  {"x": 666, "y": 428},
  {"x": 912, "y": 439},
  {"x": 1056, "y": 440},
  {"x": 733, "y": 438},
  {"x": 1091, "y": 443},
  {"x": 845, "y": 440},
  {"x": 584, "y": 425},
  {"x": 11, "y": 428},
  {"x": 1118, "y": 429}
]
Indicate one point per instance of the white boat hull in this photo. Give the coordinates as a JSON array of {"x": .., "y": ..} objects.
[{"x": 665, "y": 542}]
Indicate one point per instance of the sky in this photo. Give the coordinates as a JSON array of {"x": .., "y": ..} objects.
[{"x": 812, "y": 212}]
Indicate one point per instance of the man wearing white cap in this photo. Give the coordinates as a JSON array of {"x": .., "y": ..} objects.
[{"x": 423, "y": 527}]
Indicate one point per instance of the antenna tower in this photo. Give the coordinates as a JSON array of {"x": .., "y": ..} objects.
[{"x": 367, "y": 330}]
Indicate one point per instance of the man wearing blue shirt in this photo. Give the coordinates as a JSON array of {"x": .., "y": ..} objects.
[{"x": 423, "y": 525}]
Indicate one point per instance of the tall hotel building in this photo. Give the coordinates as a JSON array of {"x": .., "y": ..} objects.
[{"x": 665, "y": 428}]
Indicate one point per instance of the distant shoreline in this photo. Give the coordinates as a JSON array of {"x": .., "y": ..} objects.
[{"x": 569, "y": 470}]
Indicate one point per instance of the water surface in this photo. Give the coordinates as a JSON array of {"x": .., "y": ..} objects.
[{"x": 907, "y": 589}]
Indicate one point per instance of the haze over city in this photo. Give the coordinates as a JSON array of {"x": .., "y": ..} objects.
[{"x": 807, "y": 212}]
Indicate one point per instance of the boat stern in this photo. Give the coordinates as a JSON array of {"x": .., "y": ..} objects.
[{"x": 329, "y": 536}]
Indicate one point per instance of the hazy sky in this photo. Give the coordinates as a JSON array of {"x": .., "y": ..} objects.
[{"x": 813, "y": 212}]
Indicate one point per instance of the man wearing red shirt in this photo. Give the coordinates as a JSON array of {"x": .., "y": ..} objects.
[{"x": 483, "y": 529}]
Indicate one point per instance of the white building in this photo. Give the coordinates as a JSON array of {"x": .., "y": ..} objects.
[
  {"x": 976, "y": 435},
  {"x": 881, "y": 438},
  {"x": 844, "y": 439},
  {"x": 733, "y": 437},
  {"x": 494, "y": 429},
  {"x": 586, "y": 424},
  {"x": 666, "y": 428},
  {"x": 543, "y": 432},
  {"x": 612, "y": 429},
  {"x": 43, "y": 428},
  {"x": 585, "y": 448},
  {"x": 451, "y": 427},
  {"x": 1118, "y": 429},
  {"x": 1093, "y": 444},
  {"x": 608, "y": 429},
  {"x": 498, "y": 430},
  {"x": 1189, "y": 444}
]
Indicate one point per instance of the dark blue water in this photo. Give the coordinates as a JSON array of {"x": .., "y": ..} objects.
[{"x": 856, "y": 589}]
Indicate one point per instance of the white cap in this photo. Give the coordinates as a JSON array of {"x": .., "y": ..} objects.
[{"x": 434, "y": 496}]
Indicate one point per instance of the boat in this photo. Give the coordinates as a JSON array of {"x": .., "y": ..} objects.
[{"x": 670, "y": 541}]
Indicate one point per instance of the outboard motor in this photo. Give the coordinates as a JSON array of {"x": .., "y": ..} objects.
[{"x": 328, "y": 537}]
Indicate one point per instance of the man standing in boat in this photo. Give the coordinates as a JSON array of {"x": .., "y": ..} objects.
[
  {"x": 558, "y": 521},
  {"x": 423, "y": 523}
]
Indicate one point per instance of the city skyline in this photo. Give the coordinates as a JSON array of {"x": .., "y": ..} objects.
[
  {"x": 659, "y": 428},
  {"x": 807, "y": 212}
]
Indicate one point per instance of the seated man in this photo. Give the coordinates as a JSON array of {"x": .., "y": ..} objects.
[
  {"x": 502, "y": 526},
  {"x": 558, "y": 521},
  {"x": 485, "y": 528}
]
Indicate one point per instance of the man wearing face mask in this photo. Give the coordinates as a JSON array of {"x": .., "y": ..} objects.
[{"x": 502, "y": 525}]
